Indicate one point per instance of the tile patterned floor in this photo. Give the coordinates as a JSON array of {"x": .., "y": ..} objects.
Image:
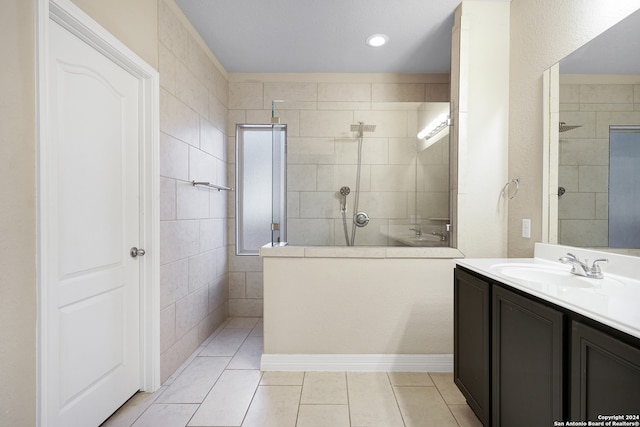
[{"x": 221, "y": 385}]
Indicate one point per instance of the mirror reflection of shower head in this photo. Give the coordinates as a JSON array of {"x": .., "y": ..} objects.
[{"x": 360, "y": 127}]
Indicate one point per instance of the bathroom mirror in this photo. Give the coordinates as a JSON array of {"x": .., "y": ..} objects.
[{"x": 593, "y": 94}]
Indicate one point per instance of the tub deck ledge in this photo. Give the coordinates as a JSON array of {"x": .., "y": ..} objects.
[{"x": 359, "y": 252}]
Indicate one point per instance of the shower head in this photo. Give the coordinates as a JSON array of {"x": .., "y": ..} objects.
[
  {"x": 565, "y": 127},
  {"x": 345, "y": 191},
  {"x": 361, "y": 127}
]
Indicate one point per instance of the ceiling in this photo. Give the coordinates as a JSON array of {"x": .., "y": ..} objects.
[
  {"x": 328, "y": 36},
  {"x": 613, "y": 52},
  {"x": 325, "y": 36}
]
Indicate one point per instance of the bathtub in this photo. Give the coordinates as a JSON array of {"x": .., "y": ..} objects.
[{"x": 358, "y": 308}]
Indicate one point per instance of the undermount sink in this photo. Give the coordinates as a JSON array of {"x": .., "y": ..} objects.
[{"x": 551, "y": 275}]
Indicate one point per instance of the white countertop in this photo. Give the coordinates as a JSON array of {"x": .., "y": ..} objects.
[{"x": 613, "y": 301}]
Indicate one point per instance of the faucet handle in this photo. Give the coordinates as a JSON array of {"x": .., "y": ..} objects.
[{"x": 595, "y": 268}]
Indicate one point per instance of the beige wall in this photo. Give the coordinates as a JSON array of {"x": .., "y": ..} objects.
[
  {"x": 134, "y": 23},
  {"x": 480, "y": 114},
  {"x": 542, "y": 33},
  {"x": 357, "y": 305},
  {"x": 17, "y": 215}
]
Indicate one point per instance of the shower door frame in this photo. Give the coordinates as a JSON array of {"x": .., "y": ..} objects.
[{"x": 276, "y": 224}]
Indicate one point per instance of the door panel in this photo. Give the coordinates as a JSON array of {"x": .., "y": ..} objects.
[
  {"x": 472, "y": 342},
  {"x": 605, "y": 374},
  {"x": 527, "y": 361},
  {"x": 90, "y": 154},
  {"x": 90, "y": 321},
  {"x": 92, "y": 284}
]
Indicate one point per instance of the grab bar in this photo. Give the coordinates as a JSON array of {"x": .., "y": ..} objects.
[{"x": 209, "y": 185}]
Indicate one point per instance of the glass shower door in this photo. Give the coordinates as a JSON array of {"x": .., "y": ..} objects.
[
  {"x": 260, "y": 187},
  {"x": 624, "y": 187}
]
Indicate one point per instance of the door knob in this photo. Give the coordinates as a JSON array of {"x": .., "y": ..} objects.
[{"x": 136, "y": 252}]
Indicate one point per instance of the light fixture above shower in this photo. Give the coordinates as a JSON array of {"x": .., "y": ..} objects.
[{"x": 435, "y": 131}]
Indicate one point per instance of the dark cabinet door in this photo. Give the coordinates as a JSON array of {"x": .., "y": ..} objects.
[
  {"x": 605, "y": 375},
  {"x": 471, "y": 363},
  {"x": 527, "y": 369}
]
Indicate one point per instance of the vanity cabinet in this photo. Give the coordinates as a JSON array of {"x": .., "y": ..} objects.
[
  {"x": 527, "y": 355},
  {"x": 507, "y": 353},
  {"x": 520, "y": 360},
  {"x": 605, "y": 374}
]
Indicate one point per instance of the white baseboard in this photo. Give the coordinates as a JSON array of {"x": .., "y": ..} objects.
[{"x": 358, "y": 362}]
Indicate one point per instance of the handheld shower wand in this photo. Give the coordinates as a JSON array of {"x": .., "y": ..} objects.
[{"x": 344, "y": 192}]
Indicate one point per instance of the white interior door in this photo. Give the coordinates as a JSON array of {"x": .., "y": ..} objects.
[{"x": 92, "y": 283}]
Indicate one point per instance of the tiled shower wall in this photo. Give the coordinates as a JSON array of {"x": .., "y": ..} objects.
[
  {"x": 584, "y": 152},
  {"x": 322, "y": 156},
  {"x": 193, "y": 228}
]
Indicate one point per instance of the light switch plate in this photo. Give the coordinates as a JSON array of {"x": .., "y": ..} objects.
[{"x": 526, "y": 228}]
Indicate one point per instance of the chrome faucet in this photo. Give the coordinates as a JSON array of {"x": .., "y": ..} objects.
[
  {"x": 581, "y": 268},
  {"x": 418, "y": 231},
  {"x": 442, "y": 235}
]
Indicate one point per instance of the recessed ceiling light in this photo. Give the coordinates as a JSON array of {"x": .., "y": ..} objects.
[{"x": 377, "y": 40}]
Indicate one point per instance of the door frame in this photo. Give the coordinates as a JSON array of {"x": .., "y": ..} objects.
[{"x": 84, "y": 27}]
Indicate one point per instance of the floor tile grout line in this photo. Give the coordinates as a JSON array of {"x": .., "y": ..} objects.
[
  {"x": 304, "y": 377},
  {"x": 145, "y": 409},
  {"x": 311, "y": 404},
  {"x": 210, "y": 389},
  {"x": 195, "y": 355},
  {"x": 444, "y": 400},
  {"x": 252, "y": 399},
  {"x": 163, "y": 389},
  {"x": 238, "y": 349},
  {"x": 261, "y": 373},
  {"x": 226, "y": 368},
  {"x": 215, "y": 333},
  {"x": 395, "y": 396},
  {"x": 346, "y": 380}
]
